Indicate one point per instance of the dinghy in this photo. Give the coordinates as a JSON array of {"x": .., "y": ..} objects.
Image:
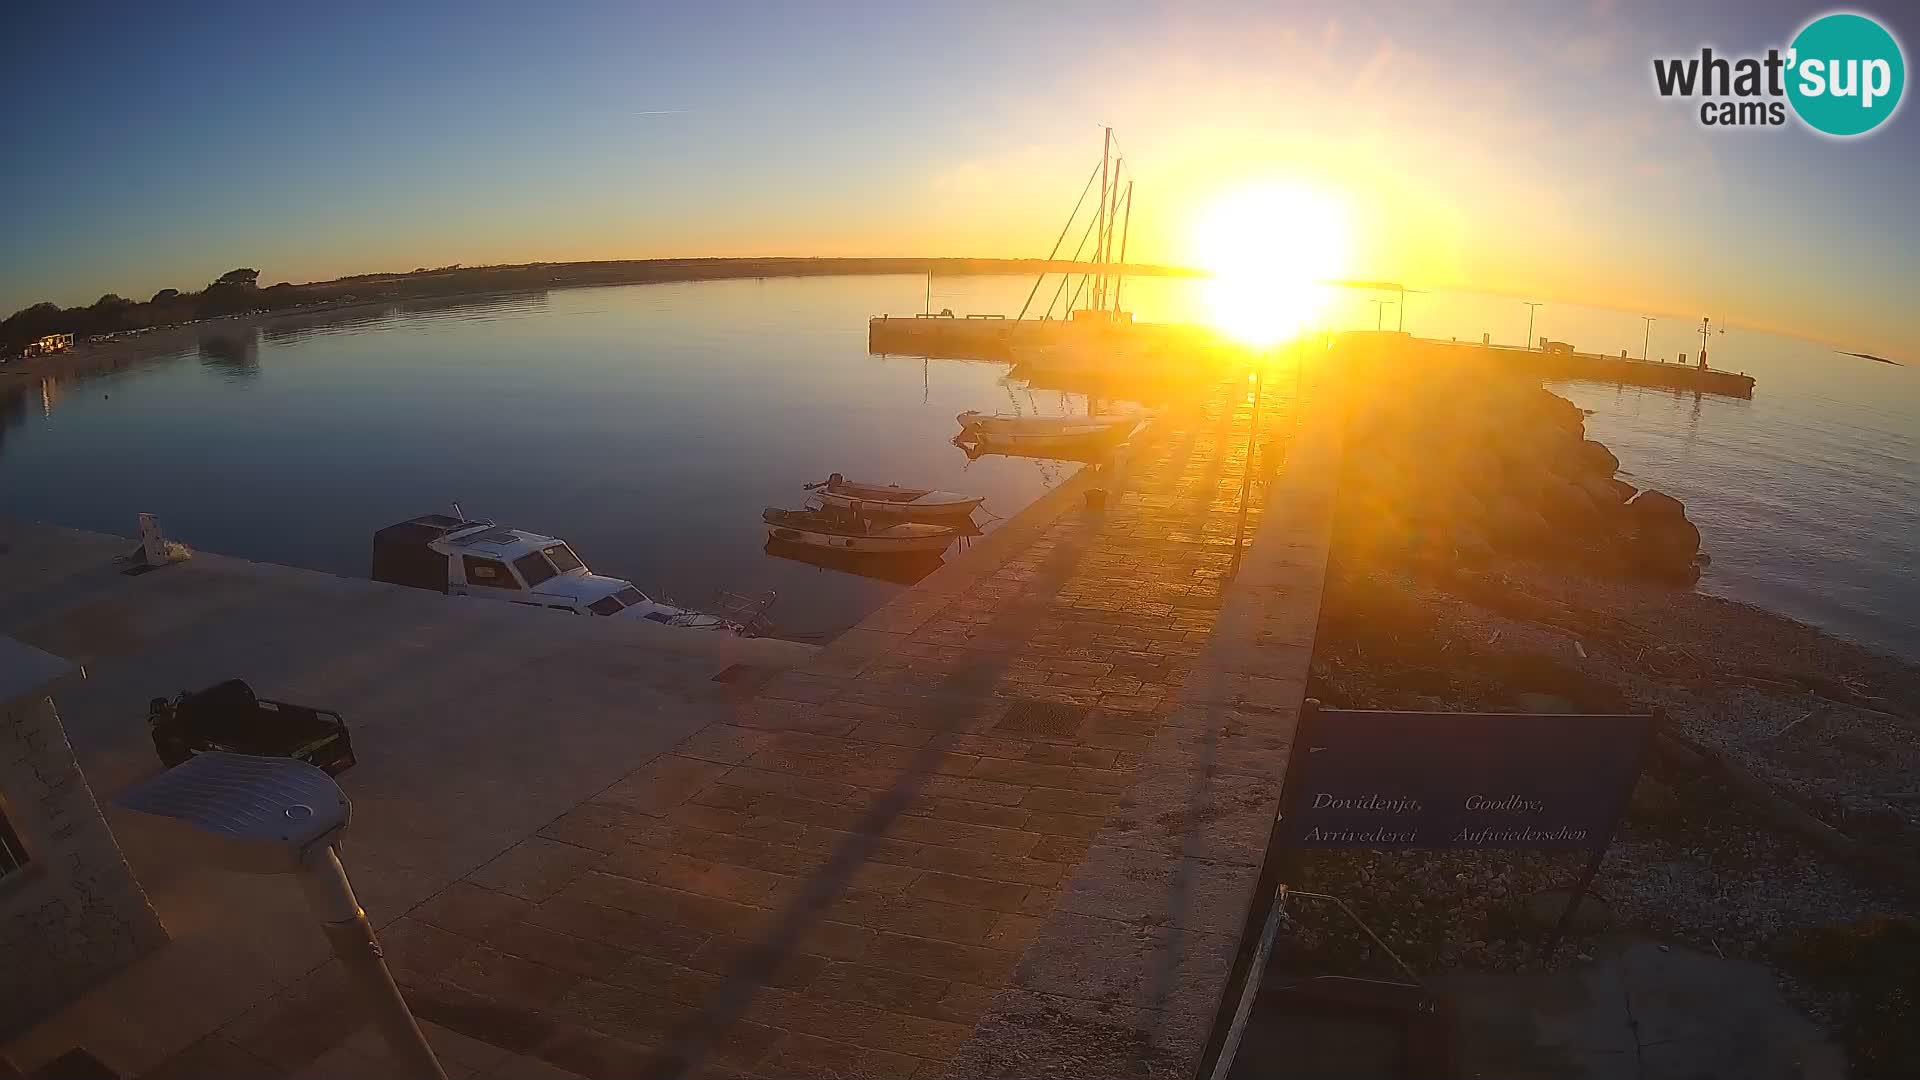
[
  {"x": 891, "y": 500},
  {"x": 1080, "y": 441},
  {"x": 853, "y": 530},
  {"x": 1033, "y": 426}
]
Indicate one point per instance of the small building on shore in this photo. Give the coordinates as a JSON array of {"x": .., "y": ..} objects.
[{"x": 52, "y": 343}]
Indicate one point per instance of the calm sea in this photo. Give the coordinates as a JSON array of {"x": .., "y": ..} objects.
[{"x": 649, "y": 425}]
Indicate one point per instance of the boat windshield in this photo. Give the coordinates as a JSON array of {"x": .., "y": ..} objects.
[
  {"x": 538, "y": 566},
  {"x": 534, "y": 567},
  {"x": 606, "y": 605},
  {"x": 631, "y": 596}
]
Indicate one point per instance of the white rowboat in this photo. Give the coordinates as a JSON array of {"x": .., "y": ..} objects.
[
  {"x": 982, "y": 424},
  {"x": 892, "y": 500}
]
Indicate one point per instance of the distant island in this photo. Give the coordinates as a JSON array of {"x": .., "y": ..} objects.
[
  {"x": 1869, "y": 356},
  {"x": 238, "y": 291}
]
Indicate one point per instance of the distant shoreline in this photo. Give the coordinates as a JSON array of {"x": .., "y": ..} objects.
[
  {"x": 343, "y": 297},
  {"x": 96, "y": 356}
]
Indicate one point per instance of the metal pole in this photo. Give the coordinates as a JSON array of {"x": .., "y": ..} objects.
[
  {"x": 927, "y": 308},
  {"x": 1402, "y": 328},
  {"x": 1246, "y": 471},
  {"x": 1531, "y": 305},
  {"x": 1100, "y": 239},
  {"x": 1113, "y": 218},
  {"x": 1125, "y": 224},
  {"x": 1573, "y": 905},
  {"x": 1646, "y": 337},
  {"x": 351, "y": 935}
]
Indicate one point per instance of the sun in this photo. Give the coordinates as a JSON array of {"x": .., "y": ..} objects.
[{"x": 1272, "y": 247}]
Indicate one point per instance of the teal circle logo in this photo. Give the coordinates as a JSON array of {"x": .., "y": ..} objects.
[{"x": 1846, "y": 74}]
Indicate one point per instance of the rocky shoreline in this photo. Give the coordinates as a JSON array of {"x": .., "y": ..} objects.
[
  {"x": 1467, "y": 460},
  {"x": 1486, "y": 559}
]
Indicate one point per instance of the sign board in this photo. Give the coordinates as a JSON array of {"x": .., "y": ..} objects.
[{"x": 1458, "y": 781}]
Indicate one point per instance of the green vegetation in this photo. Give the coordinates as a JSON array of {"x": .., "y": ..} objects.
[{"x": 238, "y": 290}]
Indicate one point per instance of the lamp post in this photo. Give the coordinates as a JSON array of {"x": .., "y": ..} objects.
[
  {"x": 261, "y": 815},
  {"x": 1646, "y": 337},
  {"x": 1246, "y": 468},
  {"x": 1531, "y": 305}
]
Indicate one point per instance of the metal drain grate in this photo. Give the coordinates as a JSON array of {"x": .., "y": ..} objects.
[{"x": 1029, "y": 717}]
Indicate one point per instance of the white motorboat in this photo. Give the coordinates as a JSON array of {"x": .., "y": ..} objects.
[
  {"x": 851, "y": 531},
  {"x": 979, "y": 423},
  {"x": 485, "y": 561},
  {"x": 892, "y": 500}
]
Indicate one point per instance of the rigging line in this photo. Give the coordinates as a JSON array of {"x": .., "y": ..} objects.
[
  {"x": 1075, "y": 298},
  {"x": 1077, "y": 248},
  {"x": 1058, "y": 241},
  {"x": 1086, "y": 282},
  {"x": 1121, "y": 278}
]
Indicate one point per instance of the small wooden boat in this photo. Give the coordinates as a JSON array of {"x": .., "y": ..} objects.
[
  {"x": 1075, "y": 442},
  {"x": 891, "y": 500},
  {"x": 1091, "y": 450},
  {"x": 854, "y": 531},
  {"x": 1033, "y": 426}
]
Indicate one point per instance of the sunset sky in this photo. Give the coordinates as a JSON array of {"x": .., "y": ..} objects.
[{"x": 1502, "y": 147}]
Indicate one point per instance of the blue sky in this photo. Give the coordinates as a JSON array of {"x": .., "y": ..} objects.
[{"x": 1516, "y": 147}]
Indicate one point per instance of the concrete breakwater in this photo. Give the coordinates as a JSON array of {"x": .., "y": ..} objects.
[
  {"x": 1593, "y": 367},
  {"x": 992, "y": 337},
  {"x": 1126, "y": 347}
]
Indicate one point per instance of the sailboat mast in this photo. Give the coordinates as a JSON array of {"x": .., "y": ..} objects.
[
  {"x": 1120, "y": 276},
  {"x": 1113, "y": 219},
  {"x": 1100, "y": 234}
]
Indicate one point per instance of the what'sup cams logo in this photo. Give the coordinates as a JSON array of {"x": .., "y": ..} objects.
[{"x": 1842, "y": 76}]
